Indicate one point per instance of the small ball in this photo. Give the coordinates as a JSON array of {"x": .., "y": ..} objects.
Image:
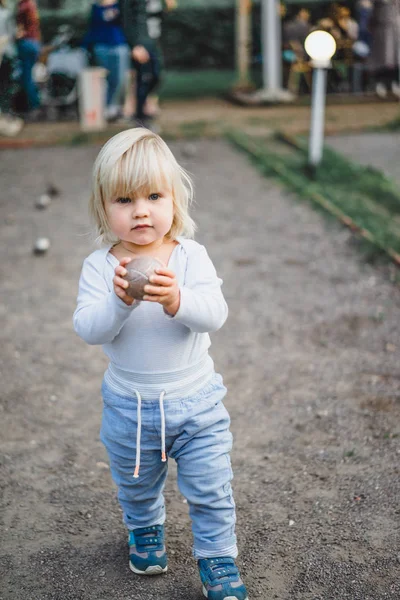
[
  {"x": 43, "y": 201},
  {"x": 41, "y": 245},
  {"x": 139, "y": 271}
]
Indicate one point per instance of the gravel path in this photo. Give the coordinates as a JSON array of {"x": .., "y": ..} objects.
[
  {"x": 379, "y": 150},
  {"x": 310, "y": 355}
]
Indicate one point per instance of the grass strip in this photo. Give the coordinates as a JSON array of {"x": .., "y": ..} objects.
[
  {"x": 189, "y": 85},
  {"x": 393, "y": 125},
  {"x": 353, "y": 194}
]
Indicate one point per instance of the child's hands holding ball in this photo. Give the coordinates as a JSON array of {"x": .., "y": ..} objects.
[
  {"x": 147, "y": 279},
  {"x": 120, "y": 284},
  {"x": 163, "y": 288}
]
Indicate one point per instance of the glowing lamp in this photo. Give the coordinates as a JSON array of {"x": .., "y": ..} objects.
[{"x": 320, "y": 46}]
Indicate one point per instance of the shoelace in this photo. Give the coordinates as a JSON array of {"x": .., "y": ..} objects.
[
  {"x": 139, "y": 431},
  {"x": 222, "y": 569}
]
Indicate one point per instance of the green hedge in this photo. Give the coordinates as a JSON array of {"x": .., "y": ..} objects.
[
  {"x": 192, "y": 38},
  {"x": 197, "y": 38}
]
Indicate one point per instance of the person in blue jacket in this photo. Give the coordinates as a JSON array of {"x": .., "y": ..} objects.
[{"x": 108, "y": 45}]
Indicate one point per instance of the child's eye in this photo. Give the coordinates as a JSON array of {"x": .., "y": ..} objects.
[
  {"x": 154, "y": 196},
  {"x": 123, "y": 200}
]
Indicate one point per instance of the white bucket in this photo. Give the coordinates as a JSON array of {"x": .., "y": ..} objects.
[{"x": 92, "y": 92}]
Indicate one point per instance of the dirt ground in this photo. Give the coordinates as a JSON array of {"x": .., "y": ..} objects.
[
  {"x": 310, "y": 355},
  {"x": 210, "y": 117}
]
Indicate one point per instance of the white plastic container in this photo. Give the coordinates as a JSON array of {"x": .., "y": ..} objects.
[{"x": 92, "y": 92}]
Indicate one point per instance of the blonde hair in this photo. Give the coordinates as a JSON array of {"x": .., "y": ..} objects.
[{"x": 139, "y": 161}]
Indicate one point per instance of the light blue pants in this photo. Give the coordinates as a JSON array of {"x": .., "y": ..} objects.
[
  {"x": 197, "y": 436},
  {"x": 116, "y": 59}
]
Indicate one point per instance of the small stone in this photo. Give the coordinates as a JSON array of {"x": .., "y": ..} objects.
[
  {"x": 43, "y": 201},
  {"x": 291, "y": 523},
  {"x": 391, "y": 348},
  {"x": 41, "y": 246},
  {"x": 102, "y": 573},
  {"x": 102, "y": 465},
  {"x": 53, "y": 191},
  {"x": 322, "y": 414}
]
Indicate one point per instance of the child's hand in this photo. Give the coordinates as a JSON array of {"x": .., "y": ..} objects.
[
  {"x": 120, "y": 284},
  {"x": 164, "y": 289},
  {"x": 171, "y": 4},
  {"x": 140, "y": 54}
]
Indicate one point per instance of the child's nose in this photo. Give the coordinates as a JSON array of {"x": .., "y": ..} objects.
[{"x": 141, "y": 209}]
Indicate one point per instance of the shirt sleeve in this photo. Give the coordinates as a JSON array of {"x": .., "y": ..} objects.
[
  {"x": 30, "y": 20},
  {"x": 134, "y": 22},
  {"x": 202, "y": 307},
  {"x": 100, "y": 314}
]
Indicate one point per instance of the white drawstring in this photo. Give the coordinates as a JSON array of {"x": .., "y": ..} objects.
[
  {"x": 139, "y": 431},
  {"x": 163, "y": 453}
]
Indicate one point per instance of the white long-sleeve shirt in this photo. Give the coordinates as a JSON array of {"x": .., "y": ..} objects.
[{"x": 142, "y": 341}]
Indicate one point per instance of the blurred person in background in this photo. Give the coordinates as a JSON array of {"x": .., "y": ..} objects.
[
  {"x": 107, "y": 43},
  {"x": 28, "y": 45},
  {"x": 384, "y": 57},
  {"x": 145, "y": 51},
  {"x": 155, "y": 12},
  {"x": 347, "y": 26},
  {"x": 297, "y": 29},
  {"x": 295, "y": 61},
  {"x": 9, "y": 125},
  {"x": 364, "y": 12},
  {"x": 344, "y": 29}
]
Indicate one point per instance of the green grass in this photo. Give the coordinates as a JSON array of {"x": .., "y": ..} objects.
[
  {"x": 362, "y": 198},
  {"x": 393, "y": 125},
  {"x": 188, "y": 85},
  {"x": 194, "y": 129}
]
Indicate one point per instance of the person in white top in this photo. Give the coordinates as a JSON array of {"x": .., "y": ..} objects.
[
  {"x": 9, "y": 124},
  {"x": 162, "y": 397}
]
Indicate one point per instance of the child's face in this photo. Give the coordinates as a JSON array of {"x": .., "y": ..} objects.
[{"x": 143, "y": 219}]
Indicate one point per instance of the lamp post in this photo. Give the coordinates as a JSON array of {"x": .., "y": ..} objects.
[{"x": 320, "y": 46}]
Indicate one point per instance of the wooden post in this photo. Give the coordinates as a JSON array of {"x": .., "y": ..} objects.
[{"x": 243, "y": 45}]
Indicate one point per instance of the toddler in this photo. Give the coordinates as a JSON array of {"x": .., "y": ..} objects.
[{"x": 162, "y": 397}]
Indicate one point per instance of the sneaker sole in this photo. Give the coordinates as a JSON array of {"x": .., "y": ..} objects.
[
  {"x": 226, "y": 597},
  {"x": 154, "y": 570}
]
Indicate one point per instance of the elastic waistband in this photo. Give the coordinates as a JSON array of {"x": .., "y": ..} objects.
[{"x": 176, "y": 384}]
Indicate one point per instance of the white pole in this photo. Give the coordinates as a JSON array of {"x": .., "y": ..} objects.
[
  {"x": 317, "y": 116},
  {"x": 271, "y": 45},
  {"x": 271, "y": 91}
]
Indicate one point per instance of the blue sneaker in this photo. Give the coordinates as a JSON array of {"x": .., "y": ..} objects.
[
  {"x": 147, "y": 555},
  {"x": 221, "y": 579}
]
